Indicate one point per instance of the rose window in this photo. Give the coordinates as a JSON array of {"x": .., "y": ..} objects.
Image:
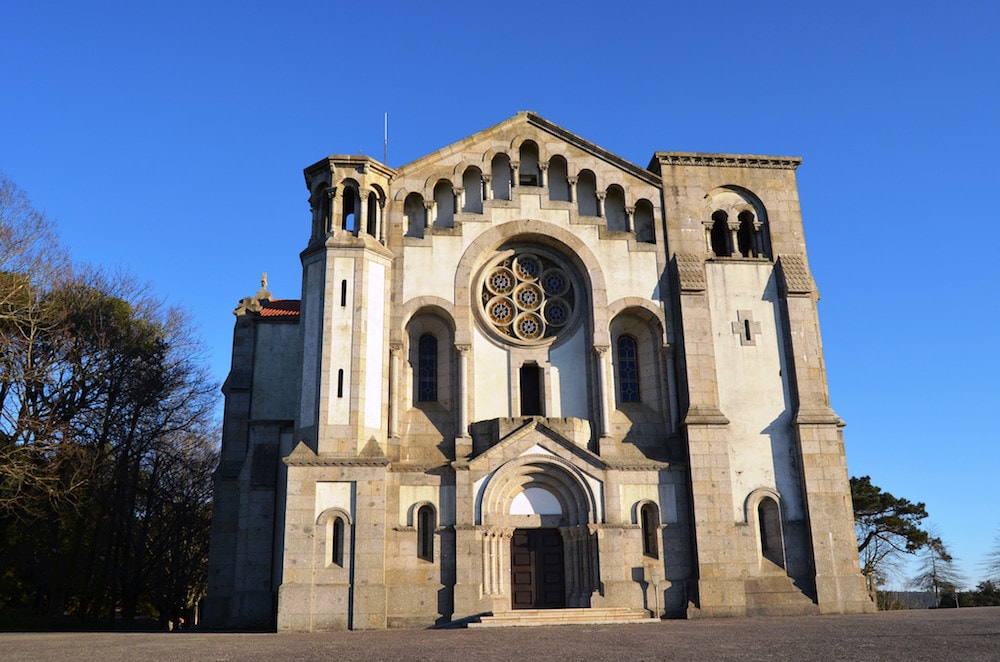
[{"x": 527, "y": 297}]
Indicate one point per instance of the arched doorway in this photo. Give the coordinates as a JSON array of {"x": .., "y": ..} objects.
[{"x": 542, "y": 507}]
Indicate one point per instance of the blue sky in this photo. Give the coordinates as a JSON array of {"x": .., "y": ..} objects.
[{"x": 169, "y": 139}]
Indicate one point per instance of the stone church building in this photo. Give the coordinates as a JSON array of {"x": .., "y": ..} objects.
[{"x": 528, "y": 378}]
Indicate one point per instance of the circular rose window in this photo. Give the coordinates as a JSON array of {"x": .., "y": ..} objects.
[{"x": 527, "y": 297}]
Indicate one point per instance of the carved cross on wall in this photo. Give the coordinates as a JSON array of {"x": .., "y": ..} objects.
[{"x": 746, "y": 327}]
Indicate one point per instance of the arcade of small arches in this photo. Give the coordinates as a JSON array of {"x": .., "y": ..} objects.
[
  {"x": 348, "y": 207},
  {"x": 471, "y": 188},
  {"x": 737, "y": 225}
]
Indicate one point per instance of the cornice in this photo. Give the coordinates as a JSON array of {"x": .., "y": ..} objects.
[{"x": 728, "y": 160}]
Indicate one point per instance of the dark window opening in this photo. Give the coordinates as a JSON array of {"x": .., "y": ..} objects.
[
  {"x": 427, "y": 367},
  {"x": 531, "y": 390},
  {"x": 746, "y": 235},
  {"x": 720, "y": 234},
  {"x": 425, "y": 533},
  {"x": 343, "y": 293},
  {"x": 340, "y": 383},
  {"x": 372, "y": 214},
  {"x": 650, "y": 525},
  {"x": 350, "y": 200},
  {"x": 769, "y": 520},
  {"x": 337, "y": 544},
  {"x": 628, "y": 370}
]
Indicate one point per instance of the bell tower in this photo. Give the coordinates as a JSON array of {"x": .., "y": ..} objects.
[{"x": 346, "y": 277}]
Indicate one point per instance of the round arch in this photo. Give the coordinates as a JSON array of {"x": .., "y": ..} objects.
[{"x": 557, "y": 476}]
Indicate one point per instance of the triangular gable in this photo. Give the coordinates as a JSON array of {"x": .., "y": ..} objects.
[
  {"x": 536, "y": 438},
  {"x": 529, "y": 119}
]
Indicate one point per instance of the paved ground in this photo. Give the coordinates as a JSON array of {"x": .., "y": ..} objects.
[{"x": 949, "y": 634}]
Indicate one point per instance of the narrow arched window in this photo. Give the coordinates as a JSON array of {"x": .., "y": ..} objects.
[
  {"x": 746, "y": 236},
  {"x": 349, "y": 209},
  {"x": 372, "y": 215},
  {"x": 427, "y": 381},
  {"x": 628, "y": 369},
  {"x": 425, "y": 533},
  {"x": 650, "y": 522},
  {"x": 337, "y": 542},
  {"x": 769, "y": 521},
  {"x": 720, "y": 234}
]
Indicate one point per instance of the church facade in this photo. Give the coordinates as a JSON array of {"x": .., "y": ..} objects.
[{"x": 525, "y": 373}]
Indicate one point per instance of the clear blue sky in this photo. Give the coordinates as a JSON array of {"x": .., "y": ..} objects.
[{"x": 170, "y": 138}]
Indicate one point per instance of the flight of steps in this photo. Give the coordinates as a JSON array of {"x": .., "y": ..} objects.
[
  {"x": 534, "y": 617},
  {"x": 777, "y": 596}
]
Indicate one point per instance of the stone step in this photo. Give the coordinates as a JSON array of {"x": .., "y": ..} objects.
[
  {"x": 777, "y": 596},
  {"x": 570, "y": 616}
]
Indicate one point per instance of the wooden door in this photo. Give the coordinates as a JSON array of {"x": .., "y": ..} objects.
[{"x": 536, "y": 569}]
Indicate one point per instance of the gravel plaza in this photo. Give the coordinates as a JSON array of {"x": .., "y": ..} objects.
[{"x": 948, "y": 634}]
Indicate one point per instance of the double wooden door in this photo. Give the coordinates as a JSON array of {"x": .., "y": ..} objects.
[{"x": 537, "y": 570}]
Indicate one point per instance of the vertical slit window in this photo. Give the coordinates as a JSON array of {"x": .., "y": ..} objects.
[
  {"x": 343, "y": 293},
  {"x": 337, "y": 542},
  {"x": 340, "y": 383},
  {"x": 427, "y": 365},
  {"x": 650, "y": 524},
  {"x": 628, "y": 369},
  {"x": 425, "y": 533}
]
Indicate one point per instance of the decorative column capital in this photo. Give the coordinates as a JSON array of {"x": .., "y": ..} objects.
[
  {"x": 463, "y": 348},
  {"x": 396, "y": 349},
  {"x": 600, "y": 351}
]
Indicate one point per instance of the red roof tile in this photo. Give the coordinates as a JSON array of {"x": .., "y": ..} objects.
[{"x": 279, "y": 308}]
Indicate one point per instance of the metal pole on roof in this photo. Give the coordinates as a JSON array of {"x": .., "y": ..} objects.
[{"x": 385, "y": 140}]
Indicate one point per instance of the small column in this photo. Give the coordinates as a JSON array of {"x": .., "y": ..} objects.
[
  {"x": 601, "y": 352},
  {"x": 758, "y": 239},
  {"x": 381, "y": 220},
  {"x": 463, "y": 391},
  {"x": 459, "y": 199},
  {"x": 515, "y": 173},
  {"x": 331, "y": 210},
  {"x": 487, "y": 189},
  {"x": 734, "y": 242},
  {"x": 361, "y": 218},
  {"x": 543, "y": 167},
  {"x": 395, "y": 351},
  {"x": 428, "y": 212},
  {"x": 629, "y": 215},
  {"x": 601, "y": 195},
  {"x": 572, "y": 187},
  {"x": 708, "y": 236}
]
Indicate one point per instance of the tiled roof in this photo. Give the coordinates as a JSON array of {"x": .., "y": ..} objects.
[{"x": 279, "y": 308}]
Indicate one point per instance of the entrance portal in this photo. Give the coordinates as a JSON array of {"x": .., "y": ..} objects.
[{"x": 536, "y": 569}]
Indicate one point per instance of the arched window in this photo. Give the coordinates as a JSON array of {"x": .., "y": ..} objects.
[
  {"x": 425, "y": 532},
  {"x": 372, "y": 228},
  {"x": 650, "y": 521},
  {"x": 472, "y": 183},
  {"x": 746, "y": 236},
  {"x": 769, "y": 521},
  {"x": 558, "y": 179},
  {"x": 586, "y": 193},
  {"x": 413, "y": 209},
  {"x": 529, "y": 172},
  {"x": 501, "y": 177},
  {"x": 349, "y": 210},
  {"x": 614, "y": 209},
  {"x": 644, "y": 230},
  {"x": 427, "y": 383},
  {"x": 337, "y": 542},
  {"x": 628, "y": 369},
  {"x": 720, "y": 234},
  {"x": 444, "y": 200}
]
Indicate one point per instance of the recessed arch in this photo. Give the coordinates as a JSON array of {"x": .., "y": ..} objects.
[{"x": 565, "y": 483}]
